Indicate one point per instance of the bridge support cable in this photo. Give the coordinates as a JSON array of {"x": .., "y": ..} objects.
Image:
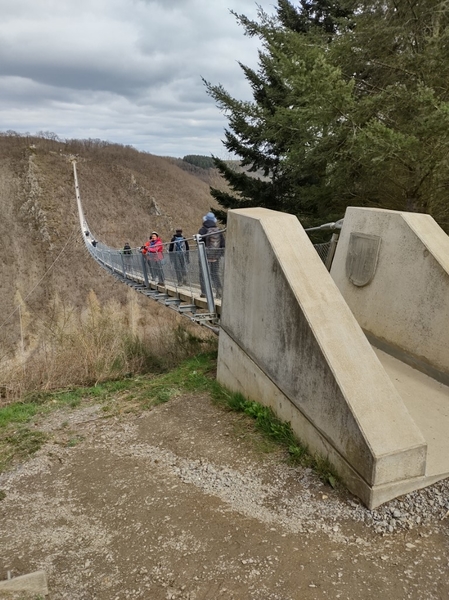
[{"x": 326, "y": 250}]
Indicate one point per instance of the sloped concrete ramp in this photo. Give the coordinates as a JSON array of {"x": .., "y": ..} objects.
[
  {"x": 427, "y": 401},
  {"x": 290, "y": 341}
]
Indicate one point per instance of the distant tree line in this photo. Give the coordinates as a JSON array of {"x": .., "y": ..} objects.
[
  {"x": 50, "y": 140},
  {"x": 204, "y": 162},
  {"x": 350, "y": 106}
]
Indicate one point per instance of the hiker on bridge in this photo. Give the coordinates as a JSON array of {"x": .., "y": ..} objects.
[
  {"x": 214, "y": 241},
  {"x": 153, "y": 250},
  {"x": 127, "y": 252},
  {"x": 179, "y": 256}
]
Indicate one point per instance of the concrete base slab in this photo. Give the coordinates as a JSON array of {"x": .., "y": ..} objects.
[
  {"x": 31, "y": 582},
  {"x": 427, "y": 401}
]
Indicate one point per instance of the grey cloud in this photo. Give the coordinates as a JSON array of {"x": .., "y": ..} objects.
[{"x": 126, "y": 70}]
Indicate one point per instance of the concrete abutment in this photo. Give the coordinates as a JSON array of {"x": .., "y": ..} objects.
[{"x": 290, "y": 341}]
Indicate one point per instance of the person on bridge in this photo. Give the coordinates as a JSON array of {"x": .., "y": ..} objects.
[
  {"x": 214, "y": 241},
  {"x": 127, "y": 252},
  {"x": 154, "y": 252},
  {"x": 179, "y": 256}
]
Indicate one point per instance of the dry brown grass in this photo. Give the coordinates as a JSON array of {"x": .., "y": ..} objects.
[
  {"x": 58, "y": 338},
  {"x": 98, "y": 343}
]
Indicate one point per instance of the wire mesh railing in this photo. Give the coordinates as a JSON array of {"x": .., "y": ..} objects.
[
  {"x": 323, "y": 250},
  {"x": 178, "y": 269},
  {"x": 326, "y": 250}
]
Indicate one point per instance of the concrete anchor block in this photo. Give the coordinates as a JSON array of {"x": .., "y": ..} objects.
[{"x": 31, "y": 582}]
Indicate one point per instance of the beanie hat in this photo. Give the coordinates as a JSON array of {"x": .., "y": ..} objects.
[{"x": 210, "y": 217}]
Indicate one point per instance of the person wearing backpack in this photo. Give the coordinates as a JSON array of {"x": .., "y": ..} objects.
[
  {"x": 179, "y": 256},
  {"x": 214, "y": 241}
]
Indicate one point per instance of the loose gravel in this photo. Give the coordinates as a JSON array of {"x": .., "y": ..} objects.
[{"x": 178, "y": 503}]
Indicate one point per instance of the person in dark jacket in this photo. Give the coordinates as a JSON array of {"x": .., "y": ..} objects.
[
  {"x": 214, "y": 241},
  {"x": 179, "y": 256},
  {"x": 127, "y": 252}
]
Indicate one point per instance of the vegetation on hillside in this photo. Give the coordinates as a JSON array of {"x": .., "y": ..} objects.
[
  {"x": 126, "y": 194},
  {"x": 204, "y": 162},
  {"x": 97, "y": 343},
  {"x": 141, "y": 392},
  {"x": 350, "y": 107}
]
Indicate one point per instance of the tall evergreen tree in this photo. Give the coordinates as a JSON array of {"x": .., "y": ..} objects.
[
  {"x": 252, "y": 134},
  {"x": 351, "y": 106},
  {"x": 398, "y": 56}
]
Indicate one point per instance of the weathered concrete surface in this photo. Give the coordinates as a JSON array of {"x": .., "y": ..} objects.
[
  {"x": 427, "y": 401},
  {"x": 289, "y": 340},
  {"x": 32, "y": 582},
  {"x": 406, "y": 303}
]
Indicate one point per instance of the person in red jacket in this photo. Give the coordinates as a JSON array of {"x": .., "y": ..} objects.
[{"x": 154, "y": 252}]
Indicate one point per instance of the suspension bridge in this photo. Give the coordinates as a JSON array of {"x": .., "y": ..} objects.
[
  {"x": 189, "y": 283},
  {"x": 349, "y": 344}
]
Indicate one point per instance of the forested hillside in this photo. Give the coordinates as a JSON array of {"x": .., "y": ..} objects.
[{"x": 45, "y": 268}]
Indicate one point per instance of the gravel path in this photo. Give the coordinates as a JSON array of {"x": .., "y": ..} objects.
[{"x": 183, "y": 502}]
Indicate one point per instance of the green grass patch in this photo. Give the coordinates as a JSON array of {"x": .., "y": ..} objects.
[
  {"x": 18, "y": 413},
  {"x": 142, "y": 391},
  {"x": 74, "y": 441},
  {"x": 278, "y": 431},
  {"x": 26, "y": 441},
  {"x": 195, "y": 375},
  {"x": 19, "y": 445}
]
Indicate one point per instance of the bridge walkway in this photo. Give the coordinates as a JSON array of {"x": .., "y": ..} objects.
[{"x": 180, "y": 298}]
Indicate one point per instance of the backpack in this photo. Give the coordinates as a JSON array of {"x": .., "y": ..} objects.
[
  {"x": 180, "y": 245},
  {"x": 213, "y": 238}
]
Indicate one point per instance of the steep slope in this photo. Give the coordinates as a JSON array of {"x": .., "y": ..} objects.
[{"x": 126, "y": 194}]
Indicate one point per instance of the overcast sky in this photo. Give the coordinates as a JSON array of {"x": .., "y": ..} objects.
[{"x": 126, "y": 71}]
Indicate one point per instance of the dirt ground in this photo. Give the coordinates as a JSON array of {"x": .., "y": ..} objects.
[{"x": 185, "y": 502}]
